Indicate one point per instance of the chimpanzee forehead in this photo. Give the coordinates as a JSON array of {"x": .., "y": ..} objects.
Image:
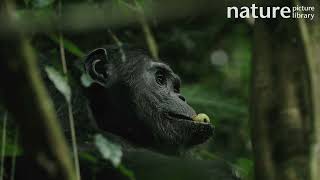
[
  {"x": 164, "y": 67},
  {"x": 161, "y": 65}
]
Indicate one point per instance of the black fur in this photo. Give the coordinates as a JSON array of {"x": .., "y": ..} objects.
[{"x": 127, "y": 100}]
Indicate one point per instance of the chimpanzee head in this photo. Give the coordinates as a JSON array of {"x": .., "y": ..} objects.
[{"x": 139, "y": 99}]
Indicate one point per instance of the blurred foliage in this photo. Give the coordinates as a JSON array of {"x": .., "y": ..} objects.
[
  {"x": 60, "y": 82},
  {"x": 211, "y": 55},
  {"x": 108, "y": 150}
]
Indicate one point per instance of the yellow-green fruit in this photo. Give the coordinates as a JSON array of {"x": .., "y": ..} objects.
[{"x": 201, "y": 118}]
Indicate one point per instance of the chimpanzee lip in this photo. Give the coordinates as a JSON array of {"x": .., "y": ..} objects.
[
  {"x": 182, "y": 117},
  {"x": 179, "y": 116}
]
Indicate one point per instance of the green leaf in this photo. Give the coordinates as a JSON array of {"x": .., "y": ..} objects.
[
  {"x": 69, "y": 46},
  {"x": 245, "y": 168},
  {"x": 126, "y": 172},
  {"x": 86, "y": 80},
  {"x": 108, "y": 150},
  {"x": 88, "y": 157},
  {"x": 60, "y": 82}
]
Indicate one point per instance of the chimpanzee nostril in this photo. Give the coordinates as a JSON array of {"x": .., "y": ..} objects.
[{"x": 182, "y": 98}]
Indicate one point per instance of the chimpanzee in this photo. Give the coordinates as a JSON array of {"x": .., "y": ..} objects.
[
  {"x": 139, "y": 99},
  {"x": 136, "y": 102}
]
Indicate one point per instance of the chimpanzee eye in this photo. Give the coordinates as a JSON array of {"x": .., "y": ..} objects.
[{"x": 160, "y": 78}]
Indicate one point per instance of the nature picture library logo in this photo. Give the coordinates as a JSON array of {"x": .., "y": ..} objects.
[{"x": 305, "y": 12}]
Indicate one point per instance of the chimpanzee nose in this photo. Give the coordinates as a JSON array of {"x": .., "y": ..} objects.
[{"x": 181, "y": 97}]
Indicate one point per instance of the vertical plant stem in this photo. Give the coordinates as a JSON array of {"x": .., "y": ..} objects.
[
  {"x": 14, "y": 154},
  {"x": 28, "y": 102},
  {"x": 119, "y": 44},
  {"x": 71, "y": 118},
  {"x": 153, "y": 48},
  {"x": 74, "y": 142},
  {"x": 62, "y": 53},
  {"x": 310, "y": 43},
  {"x": 3, "y": 144},
  {"x": 61, "y": 45},
  {"x": 151, "y": 42}
]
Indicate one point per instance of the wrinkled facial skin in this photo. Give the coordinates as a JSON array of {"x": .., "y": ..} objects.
[
  {"x": 161, "y": 101},
  {"x": 140, "y": 100}
]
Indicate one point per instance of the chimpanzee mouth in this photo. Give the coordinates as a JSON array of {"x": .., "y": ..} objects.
[
  {"x": 182, "y": 117},
  {"x": 179, "y": 116}
]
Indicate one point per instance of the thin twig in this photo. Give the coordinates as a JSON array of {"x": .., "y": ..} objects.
[
  {"x": 71, "y": 119},
  {"x": 151, "y": 42},
  {"x": 62, "y": 52},
  {"x": 119, "y": 44},
  {"x": 69, "y": 102},
  {"x": 74, "y": 141}
]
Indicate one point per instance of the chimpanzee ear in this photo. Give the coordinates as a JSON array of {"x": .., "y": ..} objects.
[{"x": 97, "y": 66}]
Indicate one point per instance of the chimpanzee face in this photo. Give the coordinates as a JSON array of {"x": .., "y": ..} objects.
[{"x": 140, "y": 100}]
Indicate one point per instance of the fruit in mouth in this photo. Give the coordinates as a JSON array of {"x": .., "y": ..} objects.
[{"x": 201, "y": 118}]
